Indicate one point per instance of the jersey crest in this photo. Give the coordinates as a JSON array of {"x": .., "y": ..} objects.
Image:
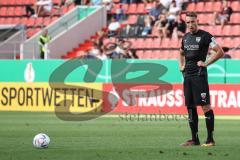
[{"x": 198, "y": 39}]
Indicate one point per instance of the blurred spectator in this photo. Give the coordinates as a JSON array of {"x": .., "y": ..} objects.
[
  {"x": 29, "y": 11},
  {"x": 224, "y": 16},
  {"x": 130, "y": 53},
  {"x": 100, "y": 37},
  {"x": 95, "y": 2},
  {"x": 166, "y": 3},
  {"x": 95, "y": 50},
  {"x": 78, "y": 2},
  {"x": 162, "y": 25},
  {"x": 146, "y": 2},
  {"x": 119, "y": 13},
  {"x": 119, "y": 48},
  {"x": 108, "y": 4},
  {"x": 128, "y": 1},
  {"x": 113, "y": 27},
  {"x": 173, "y": 11},
  {"x": 43, "y": 41},
  {"x": 182, "y": 4},
  {"x": 103, "y": 53},
  {"x": 43, "y": 7},
  {"x": 147, "y": 26},
  {"x": 179, "y": 27},
  {"x": 157, "y": 10}
]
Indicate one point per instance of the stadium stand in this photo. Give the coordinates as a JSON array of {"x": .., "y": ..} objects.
[
  {"x": 150, "y": 46},
  {"x": 13, "y": 12}
]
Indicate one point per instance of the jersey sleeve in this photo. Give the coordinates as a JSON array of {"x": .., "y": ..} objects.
[{"x": 211, "y": 40}]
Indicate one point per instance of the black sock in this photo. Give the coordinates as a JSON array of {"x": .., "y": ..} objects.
[
  {"x": 209, "y": 116},
  {"x": 193, "y": 122}
]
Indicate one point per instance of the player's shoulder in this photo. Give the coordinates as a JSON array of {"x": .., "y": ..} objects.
[
  {"x": 204, "y": 33},
  {"x": 186, "y": 35}
]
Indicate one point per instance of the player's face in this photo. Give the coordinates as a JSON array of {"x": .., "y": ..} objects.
[{"x": 191, "y": 23}]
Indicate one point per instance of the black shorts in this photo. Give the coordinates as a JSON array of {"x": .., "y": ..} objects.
[{"x": 196, "y": 90}]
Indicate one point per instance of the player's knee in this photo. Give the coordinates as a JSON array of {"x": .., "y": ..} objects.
[
  {"x": 192, "y": 112},
  {"x": 206, "y": 108}
]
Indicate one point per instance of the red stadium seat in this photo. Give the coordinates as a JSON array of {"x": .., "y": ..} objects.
[
  {"x": 16, "y": 20},
  {"x": 200, "y": 7},
  {"x": 236, "y": 42},
  {"x": 11, "y": 11},
  {"x": 29, "y": 1},
  {"x": 53, "y": 19},
  {"x": 173, "y": 43},
  {"x": 19, "y": 11},
  {"x": 217, "y": 6},
  {"x": 164, "y": 54},
  {"x": 148, "y": 43},
  {"x": 132, "y": 8},
  {"x": 220, "y": 41},
  {"x": 19, "y": 2},
  {"x": 125, "y": 7},
  {"x": 226, "y": 30},
  {"x": 155, "y": 31},
  {"x": 24, "y": 21},
  {"x": 140, "y": 8},
  {"x": 191, "y": 7},
  {"x": 235, "y": 18},
  {"x": 114, "y": 8},
  {"x": 173, "y": 54},
  {"x": 2, "y": 20},
  {"x": 217, "y": 31},
  {"x": 202, "y": 18},
  {"x": 235, "y": 54},
  {"x": 132, "y": 19},
  {"x": 46, "y": 21},
  {"x": 56, "y": 1},
  {"x": 149, "y": 6},
  {"x": 156, "y": 43},
  {"x": 140, "y": 54},
  {"x": 8, "y": 21},
  {"x": 31, "y": 22},
  {"x": 165, "y": 42},
  {"x": 148, "y": 55},
  {"x": 208, "y": 7},
  {"x": 235, "y": 5},
  {"x": 227, "y": 42},
  {"x": 3, "y": 11},
  {"x": 36, "y": 30},
  {"x": 140, "y": 43},
  {"x": 235, "y": 31},
  {"x": 39, "y": 21},
  {"x": 210, "y": 29}
]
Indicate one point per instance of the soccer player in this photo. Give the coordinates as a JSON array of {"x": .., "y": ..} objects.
[{"x": 193, "y": 64}]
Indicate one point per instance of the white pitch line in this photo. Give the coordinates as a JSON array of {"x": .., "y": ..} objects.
[{"x": 225, "y": 117}]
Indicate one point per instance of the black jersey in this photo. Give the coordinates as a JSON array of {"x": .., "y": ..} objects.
[{"x": 195, "y": 47}]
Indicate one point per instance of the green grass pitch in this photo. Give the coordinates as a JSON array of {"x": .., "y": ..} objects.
[{"x": 111, "y": 138}]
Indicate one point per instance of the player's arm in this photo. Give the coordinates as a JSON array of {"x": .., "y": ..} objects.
[
  {"x": 181, "y": 60},
  {"x": 214, "y": 56}
]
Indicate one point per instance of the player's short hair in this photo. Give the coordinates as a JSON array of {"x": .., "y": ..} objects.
[{"x": 191, "y": 14}]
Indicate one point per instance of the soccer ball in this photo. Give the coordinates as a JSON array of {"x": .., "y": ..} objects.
[{"x": 41, "y": 140}]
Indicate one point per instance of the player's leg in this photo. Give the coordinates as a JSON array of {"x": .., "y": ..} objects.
[
  {"x": 209, "y": 118},
  {"x": 193, "y": 122},
  {"x": 192, "y": 113},
  {"x": 201, "y": 97}
]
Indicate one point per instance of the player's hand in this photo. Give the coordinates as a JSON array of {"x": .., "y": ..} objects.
[
  {"x": 182, "y": 68},
  {"x": 201, "y": 64}
]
